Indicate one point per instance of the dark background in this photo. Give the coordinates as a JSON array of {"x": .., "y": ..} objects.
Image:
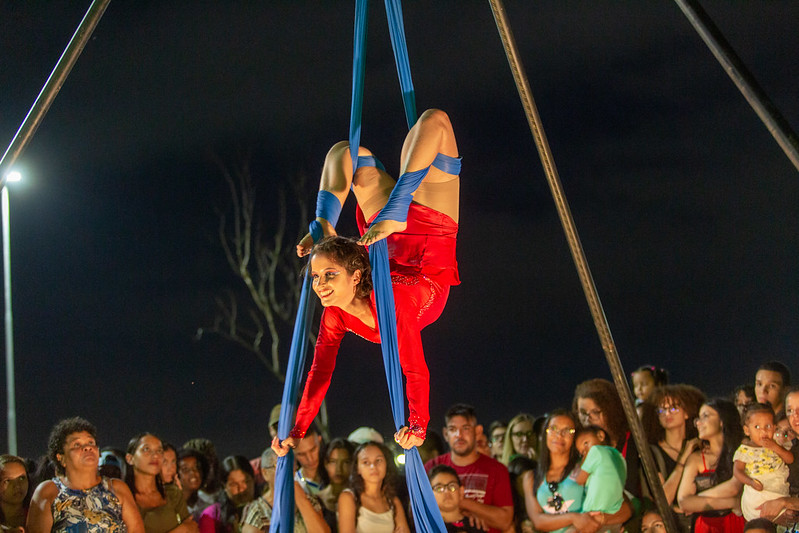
[{"x": 686, "y": 207}]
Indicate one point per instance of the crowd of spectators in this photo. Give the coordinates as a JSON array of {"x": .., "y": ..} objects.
[{"x": 725, "y": 464}]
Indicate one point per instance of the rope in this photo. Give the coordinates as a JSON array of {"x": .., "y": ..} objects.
[{"x": 580, "y": 261}]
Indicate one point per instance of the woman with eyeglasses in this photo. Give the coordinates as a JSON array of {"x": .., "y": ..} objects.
[
  {"x": 719, "y": 427},
  {"x": 161, "y": 505},
  {"x": 552, "y": 497},
  {"x": 78, "y": 498},
  {"x": 668, "y": 417},
  {"x": 596, "y": 403},
  {"x": 519, "y": 438}
]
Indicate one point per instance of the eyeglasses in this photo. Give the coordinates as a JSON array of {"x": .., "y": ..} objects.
[
  {"x": 556, "y": 501},
  {"x": 593, "y": 414},
  {"x": 525, "y": 434},
  {"x": 668, "y": 409},
  {"x": 563, "y": 432},
  {"x": 449, "y": 487}
]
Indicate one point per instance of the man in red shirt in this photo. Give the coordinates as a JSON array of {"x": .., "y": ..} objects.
[{"x": 488, "y": 496}]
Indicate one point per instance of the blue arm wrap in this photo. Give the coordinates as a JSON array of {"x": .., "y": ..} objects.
[{"x": 328, "y": 207}]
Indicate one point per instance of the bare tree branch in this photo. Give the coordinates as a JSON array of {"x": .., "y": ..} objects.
[{"x": 269, "y": 269}]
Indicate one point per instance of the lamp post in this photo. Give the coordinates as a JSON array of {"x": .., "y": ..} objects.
[{"x": 12, "y": 404}]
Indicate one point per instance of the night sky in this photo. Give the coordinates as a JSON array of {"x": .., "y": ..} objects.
[{"x": 686, "y": 207}]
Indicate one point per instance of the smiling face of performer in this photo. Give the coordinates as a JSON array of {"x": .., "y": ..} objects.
[
  {"x": 332, "y": 283},
  {"x": 340, "y": 271}
]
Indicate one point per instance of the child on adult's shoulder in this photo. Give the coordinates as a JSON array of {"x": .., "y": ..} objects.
[
  {"x": 645, "y": 379},
  {"x": 760, "y": 463},
  {"x": 603, "y": 471}
]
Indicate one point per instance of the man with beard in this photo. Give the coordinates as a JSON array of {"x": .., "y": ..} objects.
[{"x": 488, "y": 498}]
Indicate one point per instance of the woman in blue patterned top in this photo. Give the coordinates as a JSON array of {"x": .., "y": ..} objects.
[{"x": 78, "y": 499}]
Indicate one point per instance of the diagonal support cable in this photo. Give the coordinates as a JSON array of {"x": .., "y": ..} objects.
[
  {"x": 580, "y": 261},
  {"x": 51, "y": 87},
  {"x": 779, "y": 128}
]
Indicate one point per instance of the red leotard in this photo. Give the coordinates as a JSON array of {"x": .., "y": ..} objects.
[{"x": 423, "y": 267}]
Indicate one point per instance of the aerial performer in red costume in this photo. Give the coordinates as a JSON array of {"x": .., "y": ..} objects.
[{"x": 421, "y": 248}]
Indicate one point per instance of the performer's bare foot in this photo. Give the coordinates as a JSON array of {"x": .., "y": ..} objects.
[
  {"x": 281, "y": 448},
  {"x": 381, "y": 230},
  {"x": 306, "y": 243},
  {"x": 406, "y": 439}
]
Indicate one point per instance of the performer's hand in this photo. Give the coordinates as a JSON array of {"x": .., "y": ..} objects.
[
  {"x": 305, "y": 245},
  {"x": 381, "y": 230},
  {"x": 281, "y": 448},
  {"x": 406, "y": 439}
]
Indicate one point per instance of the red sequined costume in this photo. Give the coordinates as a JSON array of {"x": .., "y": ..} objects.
[{"x": 423, "y": 267}]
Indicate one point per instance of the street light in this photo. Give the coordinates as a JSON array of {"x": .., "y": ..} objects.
[{"x": 12, "y": 405}]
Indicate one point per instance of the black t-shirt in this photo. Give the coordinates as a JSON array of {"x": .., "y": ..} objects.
[{"x": 462, "y": 527}]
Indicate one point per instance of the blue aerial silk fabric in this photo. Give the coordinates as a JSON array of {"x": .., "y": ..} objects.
[
  {"x": 427, "y": 517},
  {"x": 328, "y": 207},
  {"x": 283, "y": 509},
  {"x": 358, "y": 70}
]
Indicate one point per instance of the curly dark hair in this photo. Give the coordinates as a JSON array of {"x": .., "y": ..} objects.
[
  {"x": 58, "y": 438},
  {"x": 202, "y": 462},
  {"x": 350, "y": 255},
  {"x": 389, "y": 487},
  {"x": 604, "y": 394},
  {"x": 686, "y": 397}
]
